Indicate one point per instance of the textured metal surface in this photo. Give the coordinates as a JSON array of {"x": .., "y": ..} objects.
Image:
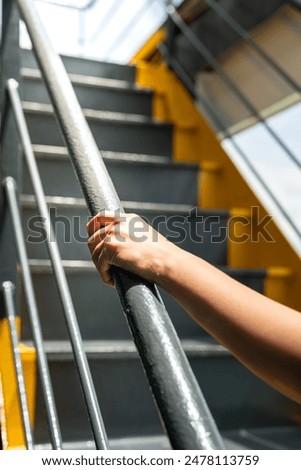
[
  {"x": 8, "y": 294},
  {"x": 61, "y": 280},
  {"x": 210, "y": 59},
  {"x": 183, "y": 409},
  {"x": 33, "y": 315}
]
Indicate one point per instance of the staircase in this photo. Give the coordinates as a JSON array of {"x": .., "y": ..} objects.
[{"x": 138, "y": 152}]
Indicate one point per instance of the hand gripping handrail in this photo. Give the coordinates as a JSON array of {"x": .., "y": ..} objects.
[{"x": 183, "y": 409}]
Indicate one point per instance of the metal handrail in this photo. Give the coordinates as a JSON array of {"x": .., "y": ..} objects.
[
  {"x": 81, "y": 361},
  {"x": 204, "y": 52},
  {"x": 10, "y": 188},
  {"x": 8, "y": 289},
  {"x": 243, "y": 33},
  {"x": 183, "y": 409}
]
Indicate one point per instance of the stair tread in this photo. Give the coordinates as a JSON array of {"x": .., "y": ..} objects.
[
  {"x": 234, "y": 440},
  {"x": 61, "y": 153},
  {"x": 126, "y": 348},
  {"x": 104, "y": 116},
  {"x": 91, "y": 81},
  {"x": 28, "y": 202}
]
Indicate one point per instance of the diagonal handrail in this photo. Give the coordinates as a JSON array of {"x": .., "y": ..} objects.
[{"x": 183, "y": 409}]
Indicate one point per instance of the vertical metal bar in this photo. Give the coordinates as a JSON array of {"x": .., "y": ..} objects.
[
  {"x": 81, "y": 361},
  {"x": 10, "y": 157},
  {"x": 222, "y": 13},
  {"x": 111, "y": 12},
  {"x": 8, "y": 295},
  {"x": 9, "y": 185},
  {"x": 204, "y": 52},
  {"x": 182, "y": 406}
]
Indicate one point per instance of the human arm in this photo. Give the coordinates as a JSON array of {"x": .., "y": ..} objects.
[{"x": 262, "y": 334}]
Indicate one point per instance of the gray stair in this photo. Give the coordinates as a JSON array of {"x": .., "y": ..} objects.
[
  {"x": 126, "y": 401},
  {"x": 93, "y": 92},
  {"x": 274, "y": 438},
  {"x": 117, "y": 132},
  {"x": 86, "y": 67},
  {"x": 134, "y": 179},
  {"x": 138, "y": 153},
  {"x": 98, "y": 307}
]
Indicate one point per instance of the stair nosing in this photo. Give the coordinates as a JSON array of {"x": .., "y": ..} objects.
[
  {"x": 28, "y": 202},
  {"x": 54, "y": 153},
  {"x": 101, "y": 116},
  {"x": 90, "y": 81}
]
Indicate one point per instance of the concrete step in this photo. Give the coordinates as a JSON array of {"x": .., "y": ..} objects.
[
  {"x": 134, "y": 178},
  {"x": 117, "y": 132},
  {"x": 202, "y": 232},
  {"x": 94, "y": 68},
  {"x": 102, "y": 94},
  {"x": 98, "y": 308},
  {"x": 235, "y": 396}
]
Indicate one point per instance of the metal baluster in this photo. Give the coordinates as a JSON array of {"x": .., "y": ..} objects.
[
  {"x": 220, "y": 11},
  {"x": 204, "y": 52},
  {"x": 213, "y": 114},
  {"x": 183, "y": 409},
  {"x": 111, "y": 12},
  {"x": 8, "y": 294},
  {"x": 10, "y": 188},
  {"x": 60, "y": 276}
]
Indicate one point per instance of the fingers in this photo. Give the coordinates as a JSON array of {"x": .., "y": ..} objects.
[
  {"x": 99, "y": 236},
  {"x": 101, "y": 220}
]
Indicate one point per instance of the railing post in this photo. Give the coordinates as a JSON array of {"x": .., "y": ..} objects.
[
  {"x": 10, "y": 157},
  {"x": 171, "y": 32}
]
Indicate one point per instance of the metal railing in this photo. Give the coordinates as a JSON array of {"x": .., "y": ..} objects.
[
  {"x": 200, "y": 47},
  {"x": 80, "y": 357},
  {"x": 243, "y": 34},
  {"x": 8, "y": 289},
  {"x": 10, "y": 188},
  {"x": 183, "y": 409},
  {"x": 167, "y": 51}
]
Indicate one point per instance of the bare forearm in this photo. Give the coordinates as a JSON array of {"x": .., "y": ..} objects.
[{"x": 261, "y": 333}]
